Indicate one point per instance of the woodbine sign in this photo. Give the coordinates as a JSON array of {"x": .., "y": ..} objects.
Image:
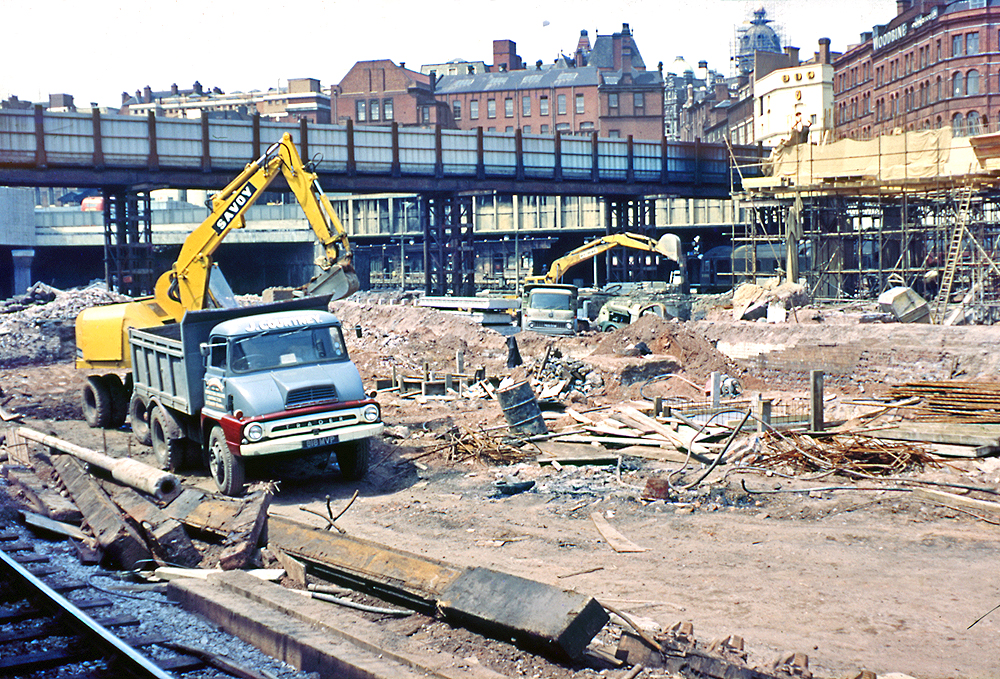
[{"x": 884, "y": 39}]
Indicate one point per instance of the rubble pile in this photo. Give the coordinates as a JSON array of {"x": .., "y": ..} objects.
[
  {"x": 574, "y": 378},
  {"x": 770, "y": 301},
  {"x": 37, "y": 327}
]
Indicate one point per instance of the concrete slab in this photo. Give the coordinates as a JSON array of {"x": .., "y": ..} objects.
[{"x": 315, "y": 636}]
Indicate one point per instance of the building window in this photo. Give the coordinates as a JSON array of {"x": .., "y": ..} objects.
[
  {"x": 456, "y": 109},
  {"x": 972, "y": 43},
  {"x": 360, "y": 109},
  {"x": 614, "y": 134},
  {"x": 373, "y": 110},
  {"x": 544, "y": 129},
  {"x": 527, "y": 129},
  {"x": 561, "y": 104},
  {"x": 613, "y": 101},
  {"x": 586, "y": 126},
  {"x": 972, "y": 83},
  {"x": 491, "y": 108},
  {"x": 639, "y": 101},
  {"x": 526, "y": 105},
  {"x": 957, "y": 128},
  {"x": 937, "y": 95},
  {"x": 387, "y": 109},
  {"x": 972, "y": 124},
  {"x": 956, "y": 45},
  {"x": 562, "y": 126},
  {"x": 956, "y": 85},
  {"x": 474, "y": 109},
  {"x": 543, "y": 106},
  {"x": 425, "y": 115},
  {"x": 509, "y": 128},
  {"x": 579, "y": 103},
  {"x": 508, "y": 107}
]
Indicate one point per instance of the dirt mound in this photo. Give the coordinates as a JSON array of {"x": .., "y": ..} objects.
[
  {"x": 406, "y": 336},
  {"x": 695, "y": 355}
]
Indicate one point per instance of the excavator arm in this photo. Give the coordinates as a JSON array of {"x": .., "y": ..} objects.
[
  {"x": 102, "y": 332},
  {"x": 668, "y": 246},
  {"x": 185, "y": 286}
]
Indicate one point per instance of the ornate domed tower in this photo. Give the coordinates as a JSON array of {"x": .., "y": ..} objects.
[{"x": 755, "y": 36}]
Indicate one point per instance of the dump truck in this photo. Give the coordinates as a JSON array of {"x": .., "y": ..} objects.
[
  {"x": 617, "y": 314},
  {"x": 274, "y": 388}
]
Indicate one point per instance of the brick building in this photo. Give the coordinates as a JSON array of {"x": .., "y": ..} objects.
[
  {"x": 381, "y": 92},
  {"x": 604, "y": 88},
  {"x": 933, "y": 65},
  {"x": 302, "y": 98}
]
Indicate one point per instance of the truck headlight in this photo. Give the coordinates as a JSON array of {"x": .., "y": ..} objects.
[
  {"x": 370, "y": 413},
  {"x": 254, "y": 432}
]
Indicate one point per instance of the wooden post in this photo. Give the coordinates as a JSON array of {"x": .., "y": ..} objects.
[
  {"x": 716, "y": 388},
  {"x": 460, "y": 362},
  {"x": 816, "y": 400},
  {"x": 657, "y": 406},
  {"x": 763, "y": 413}
]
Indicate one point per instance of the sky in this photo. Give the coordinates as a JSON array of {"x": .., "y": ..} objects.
[{"x": 97, "y": 49}]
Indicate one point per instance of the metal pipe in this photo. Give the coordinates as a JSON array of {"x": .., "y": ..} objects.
[{"x": 130, "y": 472}]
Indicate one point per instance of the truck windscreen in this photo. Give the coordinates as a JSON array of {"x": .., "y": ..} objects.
[
  {"x": 275, "y": 350},
  {"x": 552, "y": 301}
]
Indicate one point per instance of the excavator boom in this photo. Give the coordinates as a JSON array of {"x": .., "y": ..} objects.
[
  {"x": 186, "y": 286},
  {"x": 668, "y": 246}
]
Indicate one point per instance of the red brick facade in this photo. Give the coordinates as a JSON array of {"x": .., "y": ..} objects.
[
  {"x": 381, "y": 92},
  {"x": 933, "y": 65}
]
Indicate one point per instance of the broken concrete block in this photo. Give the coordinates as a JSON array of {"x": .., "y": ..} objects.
[{"x": 905, "y": 304}]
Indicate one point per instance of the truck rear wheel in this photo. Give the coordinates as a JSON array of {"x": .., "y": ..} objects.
[
  {"x": 119, "y": 400},
  {"x": 96, "y": 402},
  {"x": 226, "y": 469},
  {"x": 352, "y": 458},
  {"x": 138, "y": 417},
  {"x": 167, "y": 439}
]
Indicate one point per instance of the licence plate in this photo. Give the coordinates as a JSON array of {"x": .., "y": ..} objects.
[{"x": 321, "y": 441}]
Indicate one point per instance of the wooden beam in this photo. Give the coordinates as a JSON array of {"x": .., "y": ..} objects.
[
  {"x": 560, "y": 622},
  {"x": 166, "y": 534},
  {"x": 123, "y": 547}
]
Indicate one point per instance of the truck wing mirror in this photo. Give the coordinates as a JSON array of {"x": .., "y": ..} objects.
[{"x": 204, "y": 349}]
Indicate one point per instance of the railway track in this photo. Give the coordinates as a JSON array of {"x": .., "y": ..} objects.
[{"x": 54, "y": 626}]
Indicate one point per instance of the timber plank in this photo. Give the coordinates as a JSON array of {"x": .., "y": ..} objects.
[
  {"x": 123, "y": 547},
  {"x": 41, "y": 498},
  {"x": 165, "y": 533}
]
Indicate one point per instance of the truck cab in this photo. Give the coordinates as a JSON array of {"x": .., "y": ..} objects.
[{"x": 550, "y": 309}]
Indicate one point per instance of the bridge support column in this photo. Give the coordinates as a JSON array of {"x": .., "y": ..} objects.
[
  {"x": 128, "y": 242},
  {"x": 22, "y": 269},
  {"x": 634, "y": 215},
  {"x": 449, "y": 247}
]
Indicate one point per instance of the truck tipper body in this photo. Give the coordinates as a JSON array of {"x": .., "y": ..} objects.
[{"x": 272, "y": 384}]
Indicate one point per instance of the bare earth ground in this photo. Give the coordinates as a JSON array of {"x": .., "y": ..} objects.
[{"x": 854, "y": 579}]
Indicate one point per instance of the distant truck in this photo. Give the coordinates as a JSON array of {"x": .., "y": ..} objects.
[
  {"x": 617, "y": 314},
  {"x": 229, "y": 387},
  {"x": 550, "y": 308}
]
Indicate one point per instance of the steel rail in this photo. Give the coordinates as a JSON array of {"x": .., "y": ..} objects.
[{"x": 127, "y": 661}]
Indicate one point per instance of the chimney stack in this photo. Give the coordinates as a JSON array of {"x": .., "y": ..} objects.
[
  {"x": 174, "y": 90},
  {"x": 902, "y": 6},
  {"x": 793, "y": 55},
  {"x": 824, "y": 50},
  {"x": 147, "y": 94}
]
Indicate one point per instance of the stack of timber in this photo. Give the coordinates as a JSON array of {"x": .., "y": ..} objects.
[
  {"x": 952, "y": 401},
  {"x": 627, "y": 430}
]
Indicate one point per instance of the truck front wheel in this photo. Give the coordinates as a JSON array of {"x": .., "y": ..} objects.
[
  {"x": 352, "y": 458},
  {"x": 167, "y": 439},
  {"x": 227, "y": 470}
]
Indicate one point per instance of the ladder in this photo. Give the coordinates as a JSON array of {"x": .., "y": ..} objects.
[{"x": 954, "y": 255}]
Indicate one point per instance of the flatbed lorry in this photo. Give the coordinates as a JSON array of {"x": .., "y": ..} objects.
[{"x": 271, "y": 385}]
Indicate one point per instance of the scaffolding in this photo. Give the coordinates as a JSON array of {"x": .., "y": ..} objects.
[{"x": 920, "y": 210}]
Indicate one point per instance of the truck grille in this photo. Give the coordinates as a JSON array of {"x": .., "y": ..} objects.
[{"x": 310, "y": 396}]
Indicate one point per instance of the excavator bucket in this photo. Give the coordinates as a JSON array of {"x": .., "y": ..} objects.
[
  {"x": 339, "y": 281},
  {"x": 669, "y": 246}
]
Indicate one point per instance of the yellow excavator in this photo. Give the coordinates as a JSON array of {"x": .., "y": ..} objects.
[
  {"x": 102, "y": 332},
  {"x": 668, "y": 245},
  {"x": 550, "y": 308}
]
